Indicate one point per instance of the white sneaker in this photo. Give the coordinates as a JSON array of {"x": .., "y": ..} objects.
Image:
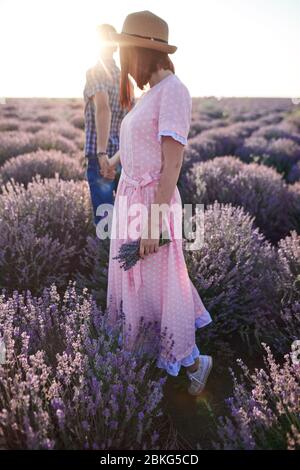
[{"x": 198, "y": 379}]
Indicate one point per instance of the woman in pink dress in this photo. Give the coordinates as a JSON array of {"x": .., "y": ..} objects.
[{"x": 157, "y": 290}]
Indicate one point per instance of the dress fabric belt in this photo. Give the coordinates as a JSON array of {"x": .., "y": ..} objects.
[{"x": 144, "y": 180}]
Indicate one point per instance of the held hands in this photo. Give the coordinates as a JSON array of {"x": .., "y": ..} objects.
[{"x": 107, "y": 169}]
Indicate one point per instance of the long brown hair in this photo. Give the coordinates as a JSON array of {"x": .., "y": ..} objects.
[{"x": 140, "y": 63}]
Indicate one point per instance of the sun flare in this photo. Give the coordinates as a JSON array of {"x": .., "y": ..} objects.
[{"x": 232, "y": 48}]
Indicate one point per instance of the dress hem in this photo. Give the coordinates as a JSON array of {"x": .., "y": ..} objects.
[{"x": 173, "y": 368}]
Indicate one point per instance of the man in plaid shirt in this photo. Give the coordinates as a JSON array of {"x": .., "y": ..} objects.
[{"x": 103, "y": 115}]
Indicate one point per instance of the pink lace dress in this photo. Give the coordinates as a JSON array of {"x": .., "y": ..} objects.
[{"x": 157, "y": 289}]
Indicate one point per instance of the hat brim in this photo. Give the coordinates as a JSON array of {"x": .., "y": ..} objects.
[{"x": 126, "y": 40}]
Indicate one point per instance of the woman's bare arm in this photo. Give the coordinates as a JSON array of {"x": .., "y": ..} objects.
[
  {"x": 114, "y": 160},
  {"x": 172, "y": 162}
]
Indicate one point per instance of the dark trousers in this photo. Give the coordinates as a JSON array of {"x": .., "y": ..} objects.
[{"x": 101, "y": 189}]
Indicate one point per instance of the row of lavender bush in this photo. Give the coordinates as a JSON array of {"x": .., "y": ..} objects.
[
  {"x": 68, "y": 384},
  {"x": 270, "y": 139},
  {"x": 23, "y": 168},
  {"x": 44, "y": 231},
  {"x": 261, "y": 191},
  {"x": 264, "y": 408},
  {"x": 47, "y": 235},
  {"x": 244, "y": 280},
  {"x": 17, "y": 143}
]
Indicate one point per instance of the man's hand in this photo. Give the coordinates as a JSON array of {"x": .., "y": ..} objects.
[{"x": 106, "y": 170}]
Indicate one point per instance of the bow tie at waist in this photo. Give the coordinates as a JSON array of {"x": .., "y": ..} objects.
[{"x": 144, "y": 180}]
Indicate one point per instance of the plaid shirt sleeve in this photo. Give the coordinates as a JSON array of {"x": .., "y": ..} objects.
[
  {"x": 97, "y": 79},
  {"x": 102, "y": 77}
]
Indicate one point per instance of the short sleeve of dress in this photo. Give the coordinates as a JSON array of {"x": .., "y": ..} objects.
[
  {"x": 97, "y": 79},
  {"x": 175, "y": 109}
]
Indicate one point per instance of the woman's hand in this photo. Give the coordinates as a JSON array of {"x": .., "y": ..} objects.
[
  {"x": 115, "y": 159},
  {"x": 149, "y": 245},
  {"x": 107, "y": 170}
]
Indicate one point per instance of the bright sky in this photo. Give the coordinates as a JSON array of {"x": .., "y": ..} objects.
[{"x": 225, "y": 47}]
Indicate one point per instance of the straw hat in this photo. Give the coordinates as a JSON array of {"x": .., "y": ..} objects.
[{"x": 144, "y": 29}]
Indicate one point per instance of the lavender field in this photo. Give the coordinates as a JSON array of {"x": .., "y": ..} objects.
[{"x": 66, "y": 382}]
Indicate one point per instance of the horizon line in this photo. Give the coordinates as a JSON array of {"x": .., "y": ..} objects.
[{"x": 217, "y": 97}]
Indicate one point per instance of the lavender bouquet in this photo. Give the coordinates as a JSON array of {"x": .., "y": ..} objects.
[{"x": 129, "y": 252}]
